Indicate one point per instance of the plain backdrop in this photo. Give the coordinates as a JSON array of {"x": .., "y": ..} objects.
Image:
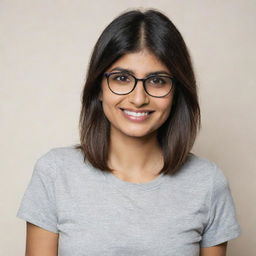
[{"x": 45, "y": 47}]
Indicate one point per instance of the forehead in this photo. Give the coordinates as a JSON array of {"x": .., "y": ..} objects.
[{"x": 139, "y": 63}]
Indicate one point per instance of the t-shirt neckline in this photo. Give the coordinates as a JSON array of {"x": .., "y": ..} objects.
[
  {"x": 145, "y": 186},
  {"x": 150, "y": 185}
]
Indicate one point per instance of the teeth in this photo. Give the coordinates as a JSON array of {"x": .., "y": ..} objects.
[{"x": 136, "y": 114}]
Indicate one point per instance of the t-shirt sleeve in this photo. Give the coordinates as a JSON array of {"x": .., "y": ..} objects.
[
  {"x": 38, "y": 205},
  {"x": 222, "y": 224}
]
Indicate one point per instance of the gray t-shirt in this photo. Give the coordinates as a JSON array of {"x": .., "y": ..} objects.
[{"x": 97, "y": 213}]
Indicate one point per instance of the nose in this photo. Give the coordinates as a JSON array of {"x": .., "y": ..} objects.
[{"x": 138, "y": 96}]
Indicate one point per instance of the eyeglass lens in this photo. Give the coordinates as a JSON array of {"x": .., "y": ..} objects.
[{"x": 158, "y": 85}]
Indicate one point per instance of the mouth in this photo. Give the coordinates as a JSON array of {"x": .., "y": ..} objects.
[
  {"x": 137, "y": 112},
  {"x": 136, "y": 116}
]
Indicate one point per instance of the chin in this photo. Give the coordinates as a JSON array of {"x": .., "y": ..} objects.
[
  {"x": 140, "y": 134},
  {"x": 137, "y": 135}
]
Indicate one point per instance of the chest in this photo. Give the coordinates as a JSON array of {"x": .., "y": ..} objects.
[{"x": 105, "y": 220}]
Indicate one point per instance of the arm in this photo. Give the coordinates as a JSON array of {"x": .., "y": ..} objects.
[
  {"x": 41, "y": 242},
  {"x": 218, "y": 250}
]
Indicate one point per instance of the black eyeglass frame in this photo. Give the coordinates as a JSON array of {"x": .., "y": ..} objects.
[{"x": 108, "y": 74}]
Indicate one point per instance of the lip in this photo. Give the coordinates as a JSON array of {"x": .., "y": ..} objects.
[
  {"x": 136, "y": 119},
  {"x": 138, "y": 111}
]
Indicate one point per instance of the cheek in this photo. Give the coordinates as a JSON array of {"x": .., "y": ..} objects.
[
  {"x": 105, "y": 96},
  {"x": 106, "y": 107},
  {"x": 166, "y": 106},
  {"x": 109, "y": 103}
]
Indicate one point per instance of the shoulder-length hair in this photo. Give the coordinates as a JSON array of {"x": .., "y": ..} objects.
[{"x": 130, "y": 32}]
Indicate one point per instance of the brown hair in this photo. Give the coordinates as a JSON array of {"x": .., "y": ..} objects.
[{"x": 130, "y": 32}]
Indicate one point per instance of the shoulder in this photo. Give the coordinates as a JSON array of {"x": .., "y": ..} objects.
[
  {"x": 56, "y": 158},
  {"x": 202, "y": 171},
  {"x": 58, "y": 154}
]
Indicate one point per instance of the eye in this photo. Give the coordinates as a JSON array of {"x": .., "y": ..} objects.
[
  {"x": 157, "y": 80},
  {"x": 121, "y": 77}
]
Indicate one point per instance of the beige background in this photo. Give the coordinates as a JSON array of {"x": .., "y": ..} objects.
[{"x": 44, "y": 50}]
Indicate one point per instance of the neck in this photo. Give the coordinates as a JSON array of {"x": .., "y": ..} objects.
[{"x": 135, "y": 156}]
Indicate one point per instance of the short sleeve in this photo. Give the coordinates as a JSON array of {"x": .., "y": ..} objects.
[
  {"x": 222, "y": 223},
  {"x": 38, "y": 204}
]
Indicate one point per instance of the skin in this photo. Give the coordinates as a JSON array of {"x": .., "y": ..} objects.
[
  {"x": 218, "y": 250},
  {"x": 128, "y": 140},
  {"x": 41, "y": 242}
]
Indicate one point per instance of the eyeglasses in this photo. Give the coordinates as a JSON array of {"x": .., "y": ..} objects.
[{"x": 154, "y": 85}]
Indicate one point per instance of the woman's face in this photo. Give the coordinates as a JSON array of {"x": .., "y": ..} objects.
[{"x": 115, "y": 107}]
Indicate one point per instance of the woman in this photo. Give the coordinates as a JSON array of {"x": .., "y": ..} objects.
[{"x": 132, "y": 187}]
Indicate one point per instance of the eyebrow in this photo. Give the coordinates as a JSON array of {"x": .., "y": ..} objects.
[{"x": 147, "y": 74}]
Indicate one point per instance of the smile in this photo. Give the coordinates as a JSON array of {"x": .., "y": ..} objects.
[
  {"x": 136, "y": 116},
  {"x": 130, "y": 113}
]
